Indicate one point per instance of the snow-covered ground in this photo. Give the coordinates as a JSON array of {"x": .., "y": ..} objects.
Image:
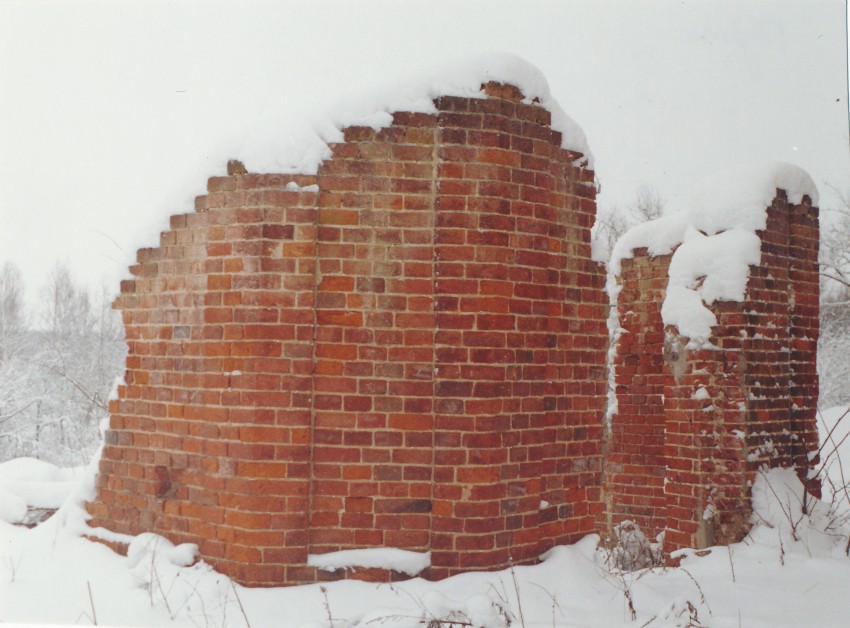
[{"x": 792, "y": 570}]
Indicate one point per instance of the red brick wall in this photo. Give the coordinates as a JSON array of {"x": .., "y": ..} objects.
[
  {"x": 410, "y": 354},
  {"x": 635, "y": 460},
  {"x": 670, "y": 456},
  {"x": 210, "y": 438},
  {"x": 408, "y": 349}
]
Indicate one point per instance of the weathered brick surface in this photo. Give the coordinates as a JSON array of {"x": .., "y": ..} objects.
[
  {"x": 682, "y": 464},
  {"x": 405, "y": 350},
  {"x": 520, "y": 340},
  {"x": 635, "y": 462},
  {"x": 408, "y": 349}
]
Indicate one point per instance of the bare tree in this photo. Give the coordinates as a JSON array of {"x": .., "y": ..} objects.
[
  {"x": 835, "y": 250},
  {"x": 607, "y": 230},
  {"x": 834, "y": 340},
  {"x": 66, "y": 306},
  {"x": 54, "y": 392},
  {"x": 648, "y": 204},
  {"x": 11, "y": 308}
]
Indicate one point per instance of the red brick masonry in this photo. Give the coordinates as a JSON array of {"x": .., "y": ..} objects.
[
  {"x": 684, "y": 461},
  {"x": 409, "y": 350}
]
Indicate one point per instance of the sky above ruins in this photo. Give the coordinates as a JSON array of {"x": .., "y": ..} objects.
[{"x": 113, "y": 115}]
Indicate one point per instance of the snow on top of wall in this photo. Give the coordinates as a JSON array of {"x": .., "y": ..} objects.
[
  {"x": 416, "y": 94},
  {"x": 715, "y": 241}
]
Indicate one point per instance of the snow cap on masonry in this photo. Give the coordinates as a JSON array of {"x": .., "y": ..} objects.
[
  {"x": 713, "y": 240},
  {"x": 416, "y": 94}
]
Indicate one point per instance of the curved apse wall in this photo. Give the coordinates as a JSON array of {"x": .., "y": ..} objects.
[{"x": 406, "y": 350}]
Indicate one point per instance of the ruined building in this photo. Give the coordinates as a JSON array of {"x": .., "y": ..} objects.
[{"x": 410, "y": 349}]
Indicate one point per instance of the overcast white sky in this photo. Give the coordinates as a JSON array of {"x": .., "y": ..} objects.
[{"x": 113, "y": 114}]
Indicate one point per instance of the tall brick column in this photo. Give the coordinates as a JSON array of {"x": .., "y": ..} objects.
[
  {"x": 803, "y": 246},
  {"x": 520, "y": 339},
  {"x": 636, "y": 461},
  {"x": 373, "y": 430}
]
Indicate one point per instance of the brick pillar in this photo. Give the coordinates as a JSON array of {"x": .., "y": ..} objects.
[
  {"x": 805, "y": 325},
  {"x": 373, "y": 433},
  {"x": 519, "y": 339},
  {"x": 276, "y": 320},
  {"x": 706, "y": 456},
  {"x": 635, "y": 459}
]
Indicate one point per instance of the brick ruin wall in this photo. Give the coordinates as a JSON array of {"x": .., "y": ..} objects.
[
  {"x": 681, "y": 461},
  {"x": 410, "y": 354},
  {"x": 409, "y": 349}
]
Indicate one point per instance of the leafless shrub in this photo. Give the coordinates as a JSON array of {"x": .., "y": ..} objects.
[{"x": 630, "y": 550}]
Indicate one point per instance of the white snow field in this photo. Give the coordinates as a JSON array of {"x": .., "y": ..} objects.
[{"x": 792, "y": 570}]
